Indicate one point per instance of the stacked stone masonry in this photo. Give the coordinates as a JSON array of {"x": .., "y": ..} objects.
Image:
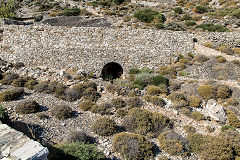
[
  {"x": 14, "y": 145},
  {"x": 90, "y": 48}
]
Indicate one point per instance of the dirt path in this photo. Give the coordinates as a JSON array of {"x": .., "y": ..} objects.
[{"x": 212, "y": 52}]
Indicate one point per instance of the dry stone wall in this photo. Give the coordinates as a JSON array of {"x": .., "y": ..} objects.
[{"x": 89, "y": 49}]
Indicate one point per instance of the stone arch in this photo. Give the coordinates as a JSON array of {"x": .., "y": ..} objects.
[{"x": 111, "y": 71}]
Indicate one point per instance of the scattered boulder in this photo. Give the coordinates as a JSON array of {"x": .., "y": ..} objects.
[{"x": 215, "y": 111}]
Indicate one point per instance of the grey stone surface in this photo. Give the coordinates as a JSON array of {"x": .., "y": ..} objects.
[
  {"x": 15, "y": 145},
  {"x": 215, "y": 111}
]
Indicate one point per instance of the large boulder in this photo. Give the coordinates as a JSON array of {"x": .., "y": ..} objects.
[{"x": 215, "y": 111}]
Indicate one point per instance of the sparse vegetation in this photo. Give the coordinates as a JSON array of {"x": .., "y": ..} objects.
[
  {"x": 10, "y": 95},
  {"x": 206, "y": 91},
  {"x": 178, "y": 99},
  {"x": 132, "y": 146},
  {"x": 142, "y": 122},
  {"x": 104, "y": 127},
  {"x": 78, "y": 150},
  {"x": 61, "y": 112},
  {"x": 28, "y": 106}
]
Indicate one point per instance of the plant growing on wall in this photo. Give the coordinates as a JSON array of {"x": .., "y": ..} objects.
[{"x": 7, "y": 8}]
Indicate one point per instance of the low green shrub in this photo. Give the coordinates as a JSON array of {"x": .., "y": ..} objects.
[
  {"x": 233, "y": 119},
  {"x": 27, "y": 106},
  {"x": 206, "y": 91},
  {"x": 159, "y": 79},
  {"x": 194, "y": 101},
  {"x": 227, "y": 127},
  {"x": 223, "y": 92},
  {"x": 178, "y": 10},
  {"x": 118, "y": 103},
  {"x": 18, "y": 65},
  {"x": 103, "y": 109},
  {"x": 121, "y": 112},
  {"x": 20, "y": 82},
  {"x": 185, "y": 17},
  {"x": 159, "y": 18},
  {"x": 104, "y": 127},
  {"x": 78, "y": 150},
  {"x": 79, "y": 136},
  {"x": 174, "y": 26},
  {"x": 61, "y": 112},
  {"x": 143, "y": 122},
  {"x": 159, "y": 25},
  {"x": 10, "y": 95},
  {"x": 155, "y": 100},
  {"x": 189, "y": 129},
  {"x": 30, "y": 83},
  {"x": 153, "y": 91},
  {"x": 134, "y": 102},
  {"x": 190, "y": 23},
  {"x": 87, "y": 105},
  {"x": 9, "y": 78},
  {"x": 134, "y": 71},
  {"x": 132, "y": 146},
  {"x": 178, "y": 99},
  {"x": 71, "y": 12},
  {"x": 140, "y": 84},
  {"x": 200, "y": 9},
  {"x": 172, "y": 143},
  {"x": 145, "y": 15},
  {"x": 212, "y": 28},
  {"x": 91, "y": 94}
]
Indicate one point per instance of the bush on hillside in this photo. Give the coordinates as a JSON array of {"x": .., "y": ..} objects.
[
  {"x": 118, "y": 103},
  {"x": 71, "y": 12},
  {"x": 142, "y": 122},
  {"x": 159, "y": 79},
  {"x": 134, "y": 102},
  {"x": 200, "y": 9},
  {"x": 145, "y": 15},
  {"x": 134, "y": 71},
  {"x": 155, "y": 100},
  {"x": 190, "y": 23},
  {"x": 27, "y": 106},
  {"x": 173, "y": 26},
  {"x": 178, "y": 10},
  {"x": 9, "y": 78},
  {"x": 212, "y": 27},
  {"x": 178, "y": 99},
  {"x": 233, "y": 119},
  {"x": 104, "y": 127},
  {"x": 194, "y": 101},
  {"x": 79, "y": 136},
  {"x": 223, "y": 92},
  {"x": 103, "y": 109},
  {"x": 61, "y": 112},
  {"x": 78, "y": 150},
  {"x": 206, "y": 91},
  {"x": 10, "y": 95},
  {"x": 132, "y": 146},
  {"x": 172, "y": 143},
  {"x": 86, "y": 105}
]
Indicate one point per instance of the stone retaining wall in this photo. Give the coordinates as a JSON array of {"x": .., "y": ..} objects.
[{"x": 90, "y": 48}]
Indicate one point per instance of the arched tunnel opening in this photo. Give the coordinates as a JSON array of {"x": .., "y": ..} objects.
[{"x": 112, "y": 71}]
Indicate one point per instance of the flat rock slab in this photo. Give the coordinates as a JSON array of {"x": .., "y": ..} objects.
[
  {"x": 15, "y": 145},
  {"x": 77, "y": 21}
]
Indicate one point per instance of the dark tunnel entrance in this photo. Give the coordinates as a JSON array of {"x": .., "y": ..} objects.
[{"x": 112, "y": 71}]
